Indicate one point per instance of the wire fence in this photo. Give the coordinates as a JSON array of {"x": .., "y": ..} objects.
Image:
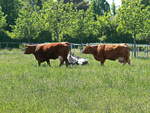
[{"x": 142, "y": 50}]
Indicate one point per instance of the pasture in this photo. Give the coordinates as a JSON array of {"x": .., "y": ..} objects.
[{"x": 113, "y": 88}]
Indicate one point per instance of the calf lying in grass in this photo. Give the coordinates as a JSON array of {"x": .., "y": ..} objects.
[{"x": 75, "y": 60}]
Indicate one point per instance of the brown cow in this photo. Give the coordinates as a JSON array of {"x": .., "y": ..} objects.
[
  {"x": 45, "y": 52},
  {"x": 109, "y": 51}
]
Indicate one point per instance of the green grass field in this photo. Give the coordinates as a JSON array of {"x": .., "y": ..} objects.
[{"x": 113, "y": 88}]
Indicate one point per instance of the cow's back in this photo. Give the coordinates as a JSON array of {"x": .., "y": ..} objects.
[
  {"x": 114, "y": 51},
  {"x": 51, "y": 51}
]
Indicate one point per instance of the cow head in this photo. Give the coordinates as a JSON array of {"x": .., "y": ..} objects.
[
  {"x": 89, "y": 50},
  {"x": 30, "y": 49}
]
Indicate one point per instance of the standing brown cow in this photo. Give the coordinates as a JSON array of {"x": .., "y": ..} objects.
[
  {"x": 109, "y": 51},
  {"x": 45, "y": 52}
]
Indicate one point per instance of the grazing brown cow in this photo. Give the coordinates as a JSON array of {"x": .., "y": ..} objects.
[
  {"x": 45, "y": 52},
  {"x": 109, "y": 51}
]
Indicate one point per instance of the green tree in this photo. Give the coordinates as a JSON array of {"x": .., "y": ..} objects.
[
  {"x": 100, "y": 6},
  {"x": 2, "y": 19},
  {"x": 145, "y": 33},
  {"x": 54, "y": 17},
  {"x": 34, "y": 3},
  {"x": 131, "y": 19},
  {"x": 83, "y": 25},
  {"x": 103, "y": 26},
  {"x": 113, "y": 8},
  {"x": 58, "y": 18},
  {"x": 28, "y": 24},
  {"x": 145, "y": 2},
  {"x": 11, "y": 9}
]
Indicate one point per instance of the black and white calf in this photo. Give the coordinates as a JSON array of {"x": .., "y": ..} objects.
[{"x": 76, "y": 60}]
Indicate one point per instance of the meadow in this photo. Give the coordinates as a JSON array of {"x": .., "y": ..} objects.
[{"x": 113, "y": 88}]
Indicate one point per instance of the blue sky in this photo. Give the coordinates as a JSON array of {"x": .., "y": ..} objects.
[{"x": 117, "y": 2}]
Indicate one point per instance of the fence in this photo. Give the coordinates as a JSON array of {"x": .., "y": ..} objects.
[{"x": 142, "y": 50}]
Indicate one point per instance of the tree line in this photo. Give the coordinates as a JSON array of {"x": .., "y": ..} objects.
[{"x": 76, "y": 21}]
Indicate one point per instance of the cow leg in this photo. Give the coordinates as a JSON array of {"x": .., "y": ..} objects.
[
  {"x": 48, "y": 62},
  {"x": 61, "y": 63},
  {"x": 102, "y": 62},
  {"x": 67, "y": 63},
  {"x": 124, "y": 61},
  {"x": 121, "y": 60},
  {"x": 127, "y": 60},
  {"x": 66, "y": 60},
  {"x": 39, "y": 63},
  {"x": 61, "y": 60}
]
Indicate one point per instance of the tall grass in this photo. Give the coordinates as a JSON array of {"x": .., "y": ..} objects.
[{"x": 113, "y": 88}]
